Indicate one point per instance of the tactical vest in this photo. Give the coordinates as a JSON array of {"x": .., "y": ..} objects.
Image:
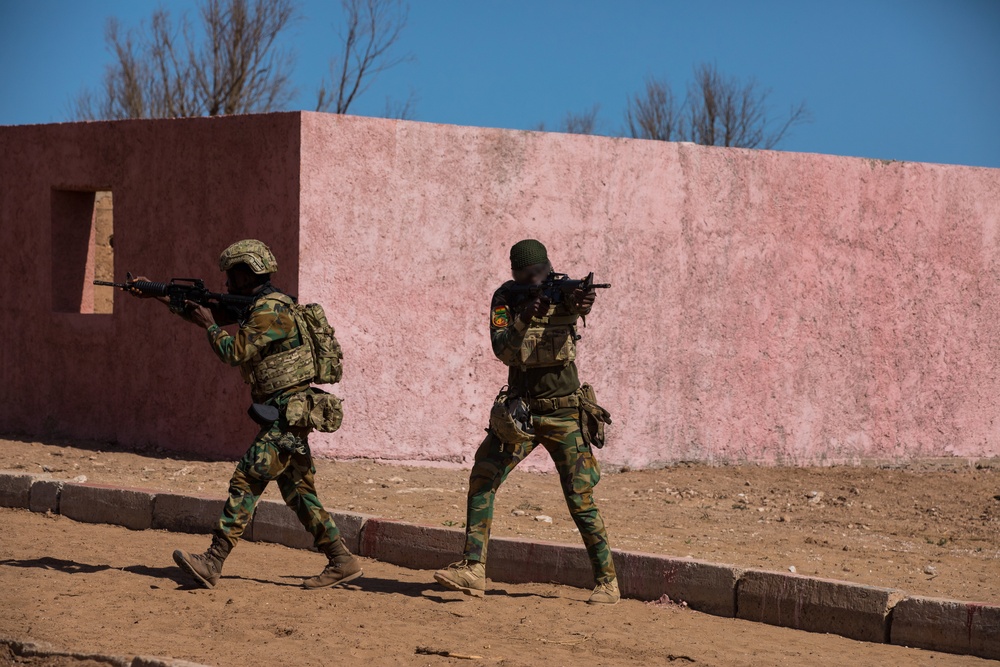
[
  {"x": 273, "y": 371},
  {"x": 549, "y": 341}
]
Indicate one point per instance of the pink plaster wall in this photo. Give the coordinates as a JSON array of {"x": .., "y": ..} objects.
[{"x": 766, "y": 306}]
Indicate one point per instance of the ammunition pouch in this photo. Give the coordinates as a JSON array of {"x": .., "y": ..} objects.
[
  {"x": 315, "y": 409},
  {"x": 592, "y": 417},
  {"x": 510, "y": 418}
]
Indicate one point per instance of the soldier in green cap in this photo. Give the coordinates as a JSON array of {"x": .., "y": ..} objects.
[
  {"x": 275, "y": 359},
  {"x": 544, "y": 404}
]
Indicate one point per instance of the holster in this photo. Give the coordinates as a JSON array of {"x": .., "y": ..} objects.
[{"x": 263, "y": 414}]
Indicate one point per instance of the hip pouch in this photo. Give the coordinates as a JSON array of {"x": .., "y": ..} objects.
[
  {"x": 510, "y": 419},
  {"x": 315, "y": 409},
  {"x": 592, "y": 417}
]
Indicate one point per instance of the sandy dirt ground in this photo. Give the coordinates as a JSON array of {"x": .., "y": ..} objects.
[
  {"x": 95, "y": 588},
  {"x": 932, "y": 529}
]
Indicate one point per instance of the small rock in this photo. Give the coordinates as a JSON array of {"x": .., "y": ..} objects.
[
  {"x": 784, "y": 518},
  {"x": 369, "y": 481},
  {"x": 815, "y": 497},
  {"x": 930, "y": 569},
  {"x": 791, "y": 568},
  {"x": 544, "y": 518},
  {"x": 396, "y": 480},
  {"x": 518, "y": 512},
  {"x": 79, "y": 479}
]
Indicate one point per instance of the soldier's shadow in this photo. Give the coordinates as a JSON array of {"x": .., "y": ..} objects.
[{"x": 73, "y": 567}]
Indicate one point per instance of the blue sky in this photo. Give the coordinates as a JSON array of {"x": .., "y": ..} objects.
[{"x": 914, "y": 80}]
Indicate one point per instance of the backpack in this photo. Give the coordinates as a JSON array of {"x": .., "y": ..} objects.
[{"x": 317, "y": 333}]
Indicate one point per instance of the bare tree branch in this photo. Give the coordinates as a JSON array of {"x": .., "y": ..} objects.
[
  {"x": 717, "y": 111},
  {"x": 165, "y": 71},
  {"x": 405, "y": 110},
  {"x": 724, "y": 111},
  {"x": 653, "y": 114},
  {"x": 373, "y": 28},
  {"x": 584, "y": 122}
]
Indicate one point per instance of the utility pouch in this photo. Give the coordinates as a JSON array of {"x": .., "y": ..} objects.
[
  {"x": 315, "y": 409},
  {"x": 263, "y": 414},
  {"x": 510, "y": 418},
  {"x": 592, "y": 417}
]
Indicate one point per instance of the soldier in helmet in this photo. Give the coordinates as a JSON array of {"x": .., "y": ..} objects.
[
  {"x": 545, "y": 404},
  {"x": 268, "y": 349}
]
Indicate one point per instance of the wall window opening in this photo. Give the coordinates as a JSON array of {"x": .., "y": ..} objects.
[{"x": 82, "y": 251}]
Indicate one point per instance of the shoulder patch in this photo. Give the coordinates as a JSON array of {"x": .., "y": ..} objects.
[{"x": 500, "y": 317}]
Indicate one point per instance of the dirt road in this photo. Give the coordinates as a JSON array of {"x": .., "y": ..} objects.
[{"x": 105, "y": 589}]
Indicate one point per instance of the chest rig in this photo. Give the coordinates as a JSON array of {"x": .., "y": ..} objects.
[
  {"x": 282, "y": 364},
  {"x": 549, "y": 340}
]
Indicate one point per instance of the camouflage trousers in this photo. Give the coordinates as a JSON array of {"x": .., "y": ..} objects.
[
  {"x": 559, "y": 433},
  {"x": 279, "y": 454}
]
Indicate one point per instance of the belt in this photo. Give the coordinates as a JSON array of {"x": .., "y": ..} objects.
[{"x": 550, "y": 404}]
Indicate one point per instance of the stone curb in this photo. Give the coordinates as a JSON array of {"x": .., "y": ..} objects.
[
  {"x": 29, "y": 649},
  {"x": 185, "y": 514},
  {"x": 946, "y": 625},
  {"x": 817, "y": 605},
  {"x": 706, "y": 587},
  {"x": 15, "y": 489},
  {"x": 868, "y": 613},
  {"x": 410, "y": 545},
  {"x": 97, "y": 503}
]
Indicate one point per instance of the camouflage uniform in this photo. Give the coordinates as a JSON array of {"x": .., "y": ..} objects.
[
  {"x": 280, "y": 452},
  {"x": 549, "y": 381},
  {"x": 280, "y": 348}
]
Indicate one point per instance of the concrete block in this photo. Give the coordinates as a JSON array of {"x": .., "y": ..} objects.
[
  {"x": 518, "y": 561},
  {"x": 45, "y": 495},
  {"x": 817, "y": 605},
  {"x": 93, "y": 503},
  {"x": 186, "y": 514},
  {"x": 968, "y": 628},
  {"x": 15, "y": 488},
  {"x": 706, "y": 587},
  {"x": 412, "y": 546},
  {"x": 276, "y": 522},
  {"x": 350, "y": 525}
]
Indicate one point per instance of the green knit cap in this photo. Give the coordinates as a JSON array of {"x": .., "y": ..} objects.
[{"x": 527, "y": 252}]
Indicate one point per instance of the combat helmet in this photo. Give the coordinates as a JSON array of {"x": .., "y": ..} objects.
[{"x": 255, "y": 254}]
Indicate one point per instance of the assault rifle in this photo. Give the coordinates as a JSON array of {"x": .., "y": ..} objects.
[
  {"x": 179, "y": 290},
  {"x": 557, "y": 287}
]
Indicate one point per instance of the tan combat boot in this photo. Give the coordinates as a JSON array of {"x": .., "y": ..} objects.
[
  {"x": 605, "y": 593},
  {"x": 341, "y": 568},
  {"x": 468, "y": 576},
  {"x": 206, "y": 568}
]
